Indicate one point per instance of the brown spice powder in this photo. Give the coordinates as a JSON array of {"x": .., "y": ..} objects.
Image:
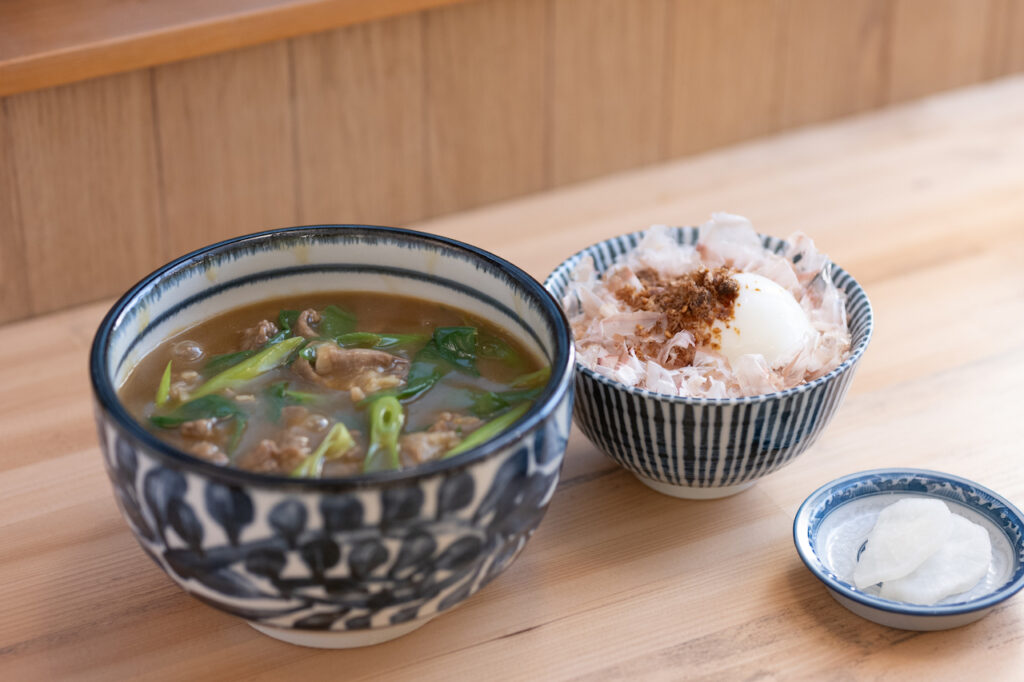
[{"x": 691, "y": 303}]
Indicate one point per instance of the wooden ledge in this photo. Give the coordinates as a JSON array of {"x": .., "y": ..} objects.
[{"x": 44, "y": 43}]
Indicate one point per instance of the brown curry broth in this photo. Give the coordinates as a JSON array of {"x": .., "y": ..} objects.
[{"x": 374, "y": 312}]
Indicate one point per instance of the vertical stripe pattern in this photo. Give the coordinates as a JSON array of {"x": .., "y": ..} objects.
[{"x": 701, "y": 442}]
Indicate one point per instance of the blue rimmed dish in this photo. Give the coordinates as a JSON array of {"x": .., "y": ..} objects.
[
  {"x": 334, "y": 562},
  {"x": 703, "y": 448},
  {"x": 834, "y": 521}
]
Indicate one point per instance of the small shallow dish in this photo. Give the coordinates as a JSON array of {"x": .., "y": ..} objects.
[
  {"x": 334, "y": 562},
  {"x": 704, "y": 448},
  {"x": 834, "y": 521}
]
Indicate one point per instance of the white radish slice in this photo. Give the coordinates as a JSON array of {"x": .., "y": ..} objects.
[
  {"x": 906, "y": 533},
  {"x": 957, "y": 567}
]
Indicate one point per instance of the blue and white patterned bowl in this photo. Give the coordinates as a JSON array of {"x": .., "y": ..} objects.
[
  {"x": 702, "y": 448},
  {"x": 346, "y": 561},
  {"x": 833, "y": 522}
]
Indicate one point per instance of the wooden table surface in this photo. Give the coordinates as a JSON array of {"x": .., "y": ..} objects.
[{"x": 923, "y": 204}]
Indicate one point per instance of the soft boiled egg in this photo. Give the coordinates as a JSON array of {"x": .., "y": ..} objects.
[{"x": 767, "y": 320}]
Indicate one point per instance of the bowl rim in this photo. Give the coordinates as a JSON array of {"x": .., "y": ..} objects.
[
  {"x": 844, "y": 366},
  {"x": 815, "y": 566},
  {"x": 562, "y": 364}
]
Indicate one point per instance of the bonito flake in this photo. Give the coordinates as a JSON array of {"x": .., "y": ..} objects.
[{"x": 610, "y": 333}]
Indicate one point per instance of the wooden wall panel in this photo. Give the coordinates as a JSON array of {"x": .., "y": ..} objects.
[
  {"x": 1014, "y": 42},
  {"x": 14, "y": 291},
  {"x": 609, "y": 102},
  {"x": 726, "y": 72},
  {"x": 359, "y": 121},
  {"x": 440, "y": 111},
  {"x": 938, "y": 44},
  {"x": 834, "y": 52},
  {"x": 485, "y": 95},
  {"x": 1007, "y": 37},
  {"x": 226, "y": 149},
  {"x": 87, "y": 188}
]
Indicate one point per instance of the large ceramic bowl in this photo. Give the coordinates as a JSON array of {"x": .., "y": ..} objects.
[
  {"x": 345, "y": 561},
  {"x": 702, "y": 448}
]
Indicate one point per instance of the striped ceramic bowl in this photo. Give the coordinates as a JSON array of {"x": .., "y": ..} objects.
[{"x": 704, "y": 448}]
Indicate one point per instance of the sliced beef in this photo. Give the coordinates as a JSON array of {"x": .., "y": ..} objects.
[
  {"x": 198, "y": 429},
  {"x": 305, "y": 370},
  {"x": 343, "y": 369},
  {"x": 269, "y": 457},
  {"x": 303, "y": 326},
  {"x": 302, "y": 431},
  {"x": 445, "y": 433},
  {"x": 182, "y": 384},
  {"x": 462, "y": 424},
  {"x": 279, "y": 456},
  {"x": 294, "y": 415},
  {"x": 255, "y": 337},
  {"x": 424, "y": 446},
  {"x": 205, "y": 439},
  {"x": 209, "y": 451},
  {"x": 334, "y": 360}
]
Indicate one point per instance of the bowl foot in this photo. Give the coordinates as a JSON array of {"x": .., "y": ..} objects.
[
  {"x": 906, "y": 621},
  {"x": 339, "y": 639},
  {"x": 687, "y": 492}
]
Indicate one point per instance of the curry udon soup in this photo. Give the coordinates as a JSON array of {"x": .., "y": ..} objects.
[{"x": 334, "y": 385}]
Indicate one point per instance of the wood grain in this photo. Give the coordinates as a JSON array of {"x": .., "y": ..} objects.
[
  {"x": 1007, "y": 49},
  {"x": 85, "y": 150},
  {"x": 725, "y": 74},
  {"x": 359, "y": 117},
  {"x": 922, "y": 203},
  {"x": 428, "y": 113},
  {"x": 938, "y": 44},
  {"x": 834, "y": 57},
  {"x": 226, "y": 149},
  {"x": 486, "y": 66},
  {"x": 44, "y": 43},
  {"x": 609, "y": 101},
  {"x": 14, "y": 290},
  {"x": 1014, "y": 59}
]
